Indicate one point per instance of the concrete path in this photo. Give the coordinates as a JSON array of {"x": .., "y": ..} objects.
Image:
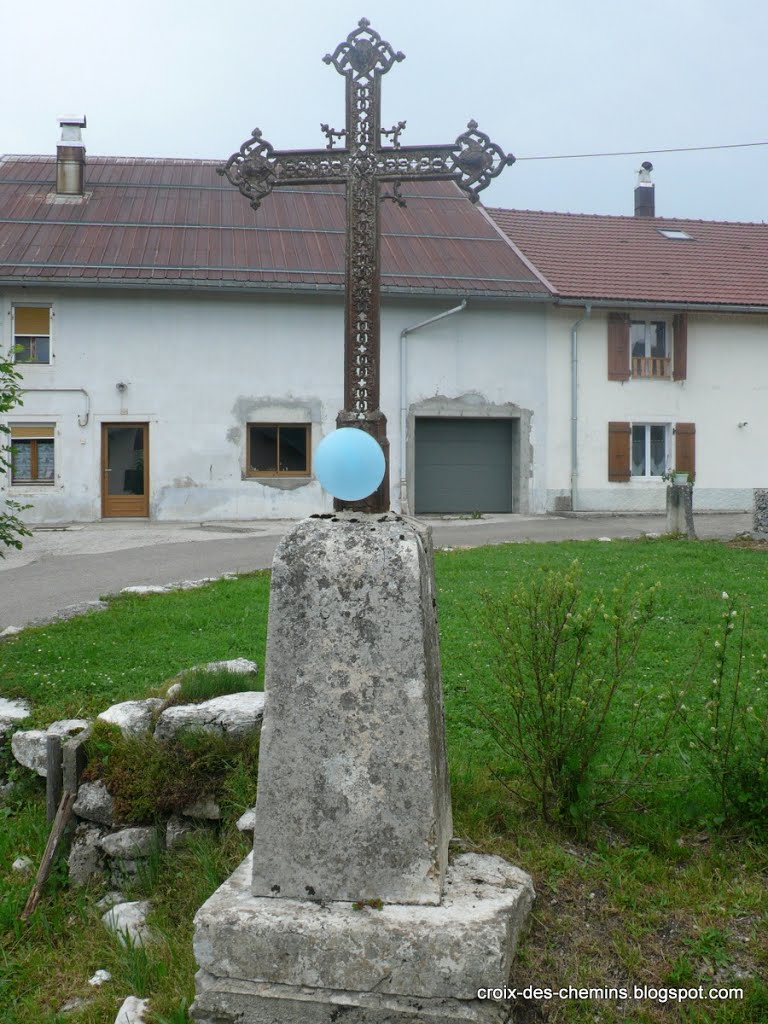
[{"x": 62, "y": 567}]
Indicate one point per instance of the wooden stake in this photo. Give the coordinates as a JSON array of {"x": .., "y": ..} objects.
[{"x": 63, "y": 815}]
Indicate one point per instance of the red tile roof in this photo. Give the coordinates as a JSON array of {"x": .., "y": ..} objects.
[
  {"x": 176, "y": 222},
  {"x": 627, "y": 258}
]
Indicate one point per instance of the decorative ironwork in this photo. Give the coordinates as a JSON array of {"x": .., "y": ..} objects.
[
  {"x": 395, "y": 132},
  {"x": 478, "y": 161},
  {"x": 331, "y": 134},
  {"x": 362, "y": 164},
  {"x": 363, "y": 53},
  {"x": 252, "y": 169},
  {"x": 395, "y": 195}
]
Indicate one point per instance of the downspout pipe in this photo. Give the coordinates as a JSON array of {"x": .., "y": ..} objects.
[
  {"x": 405, "y": 501},
  {"x": 575, "y": 406}
]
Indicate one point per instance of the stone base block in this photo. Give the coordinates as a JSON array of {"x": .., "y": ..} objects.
[
  {"x": 268, "y": 961},
  {"x": 230, "y": 1001}
]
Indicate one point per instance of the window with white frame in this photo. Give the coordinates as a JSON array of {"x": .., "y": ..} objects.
[
  {"x": 32, "y": 334},
  {"x": 650, "y": 446},
  {"x": 32, "y": 453},
  {"x": 650, "y": 350}
]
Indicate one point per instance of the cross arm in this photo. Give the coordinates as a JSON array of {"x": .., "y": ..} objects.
[
  {"x": 472, "y": 161},
  {"x": 257, "y": 168}
]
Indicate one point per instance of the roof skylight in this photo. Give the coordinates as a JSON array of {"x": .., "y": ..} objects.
[{"x": 675, "y": 233}]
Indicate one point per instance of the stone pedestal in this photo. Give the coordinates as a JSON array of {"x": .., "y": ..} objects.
[
  {"x": 284, "y": 961},
  {"x": 348, "y": 908},
  {"x": 680, "y": 510}
]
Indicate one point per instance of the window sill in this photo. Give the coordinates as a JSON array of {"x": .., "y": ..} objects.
[{"x": 281, "y": 483}]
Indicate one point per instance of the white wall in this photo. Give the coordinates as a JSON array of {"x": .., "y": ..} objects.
[
  {"x": 199, "y": 366},
  {"x": 727, "y": 384}
]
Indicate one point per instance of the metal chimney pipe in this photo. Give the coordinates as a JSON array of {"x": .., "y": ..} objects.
[
  {"x": 645, "y": 197},
  {"x": 70, "y": 157}
]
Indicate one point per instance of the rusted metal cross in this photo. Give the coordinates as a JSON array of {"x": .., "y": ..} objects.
[{"x": 362, "y": 165}]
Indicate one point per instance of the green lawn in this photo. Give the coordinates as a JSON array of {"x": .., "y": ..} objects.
[{"x": 657, "y": 897}]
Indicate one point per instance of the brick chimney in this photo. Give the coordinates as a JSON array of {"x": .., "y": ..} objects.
[
  {"x": 70, "y": 158},
  {"x": 645, "y": 199}
]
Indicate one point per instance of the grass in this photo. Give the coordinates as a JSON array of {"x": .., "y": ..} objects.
[{"x": 661, "y": 897}]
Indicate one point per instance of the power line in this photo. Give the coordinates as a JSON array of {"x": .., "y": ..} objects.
[{"x": 643, "y": 152}]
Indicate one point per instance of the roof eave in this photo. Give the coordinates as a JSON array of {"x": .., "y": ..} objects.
[
  {"x": 273, "y": 288},
  {"x": 680, "y": 304}
]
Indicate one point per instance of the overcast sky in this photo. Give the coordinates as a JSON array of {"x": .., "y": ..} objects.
[{"x": 191, "y": 78}]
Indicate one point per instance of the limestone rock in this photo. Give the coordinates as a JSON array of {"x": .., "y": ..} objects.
[
  {"x": 124, "y": 872},
  {"x": 94, "y": 802},
  {"x": 235, "y": 713},
  {"x": 22, "y": 864},
  {"x": 12, "y": 711},
  {"x": 129, "y": 922},
  {"x": 110, "y": 900},
  {"x": 207, "y": 809},
  {"x": 29, "y": 745},
  {"x": 132, "y": 716},
  {"x": 99, "y": 978},
  {"x": 133, "y": 1011},
  {"x": 176, "y": 830},
  {"x": 247, "y": 821},
  {"x": 86, "y": 859},
  {"x": 240, "y": 666},
  {"x": 131, "y": 843}
]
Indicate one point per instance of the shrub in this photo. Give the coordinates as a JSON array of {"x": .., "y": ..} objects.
[
  {"x": 730, "y": 734},
  {"x": 560, "y": 661}
]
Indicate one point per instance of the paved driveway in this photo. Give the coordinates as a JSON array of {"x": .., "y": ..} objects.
[{"x": 68, "y": 566}]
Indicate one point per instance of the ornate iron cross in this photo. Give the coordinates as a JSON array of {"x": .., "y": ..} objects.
[{"x": 361, "y": 165}]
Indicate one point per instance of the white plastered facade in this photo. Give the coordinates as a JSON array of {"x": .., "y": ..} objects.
[
  {"x": 197, "y": 367},
  {"x": 725, "y": 394}
]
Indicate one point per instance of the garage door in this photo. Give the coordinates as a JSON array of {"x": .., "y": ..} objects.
[{"x": 464, "y": 465}]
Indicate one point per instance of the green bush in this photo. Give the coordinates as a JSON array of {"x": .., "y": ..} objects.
[
  {"x": 730, "y": 732},
  {"x": 560, "y": 660}
]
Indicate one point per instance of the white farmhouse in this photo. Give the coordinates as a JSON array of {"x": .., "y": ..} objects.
[
  {"x": 182, "y": 356},
  {"x": 657, "y": 344}
]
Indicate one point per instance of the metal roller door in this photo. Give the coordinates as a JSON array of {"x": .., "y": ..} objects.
[{"x": 464, "y": 465}]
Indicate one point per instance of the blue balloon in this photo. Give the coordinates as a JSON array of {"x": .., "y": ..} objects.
[{"x": 349, "y": 464}]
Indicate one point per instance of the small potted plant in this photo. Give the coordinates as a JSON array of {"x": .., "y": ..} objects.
[{"x": 676, "y": 476}]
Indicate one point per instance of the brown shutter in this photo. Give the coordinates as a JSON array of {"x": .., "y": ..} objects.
[
  {"x": 685, "y": 448},
  {"x": 680, "y": 350},
  {"x": 618, "y": 346},
  {"x": 619, "y": 435}
]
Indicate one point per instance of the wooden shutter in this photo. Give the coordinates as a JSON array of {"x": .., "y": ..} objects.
[
  {"x": 680, "y": 350},
  {"x": 685, "y": 448},
  {"x": 618, "y": 346},
  {"x": 32, "y": 320},
  {"x": 619, "y": 435}
]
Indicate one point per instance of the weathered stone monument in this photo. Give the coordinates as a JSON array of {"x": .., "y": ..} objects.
[{"x": 349, "y": 907}]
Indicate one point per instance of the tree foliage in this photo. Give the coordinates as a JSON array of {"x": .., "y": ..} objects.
[{"x": 12, "y": 529}]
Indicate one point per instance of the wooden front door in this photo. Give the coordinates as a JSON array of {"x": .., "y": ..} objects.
[{"x": 124, "y": 469}]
